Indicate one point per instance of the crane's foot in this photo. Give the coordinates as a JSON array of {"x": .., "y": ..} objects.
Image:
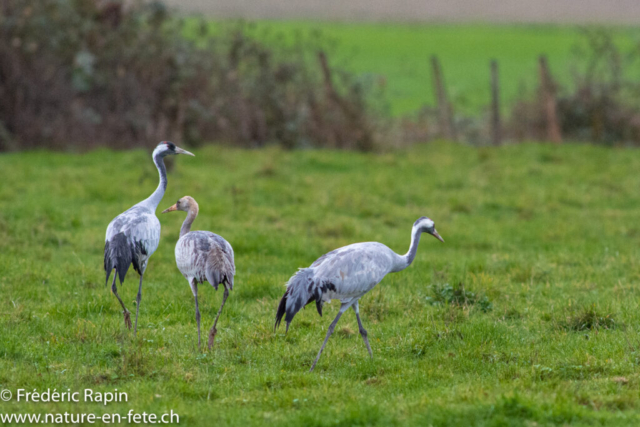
[
  {"x": 127, "y": 319},
  {"x": 212, "y": 336}
]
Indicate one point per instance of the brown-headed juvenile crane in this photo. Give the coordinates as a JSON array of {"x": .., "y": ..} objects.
[
  {"x": 203, "y": 256},
  {"x": 133, "y": 236},
  {"x": 346, "y": 274}
]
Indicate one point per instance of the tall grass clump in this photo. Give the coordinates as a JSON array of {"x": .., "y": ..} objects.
[
  {"x": 458, "y": 296},
  {"x": 84, "y": 73},
  {"x": 588, "y": 319}
]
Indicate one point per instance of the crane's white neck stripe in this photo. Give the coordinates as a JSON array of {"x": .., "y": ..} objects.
[{"x": 154, "y": 200}]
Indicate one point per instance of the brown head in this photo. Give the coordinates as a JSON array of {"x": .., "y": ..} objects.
[{"x": 186, "y": 203}]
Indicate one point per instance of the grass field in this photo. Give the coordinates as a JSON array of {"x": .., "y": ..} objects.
[
  {"x": 549, "y": 235},
  {"x": 400, "y": 54}
]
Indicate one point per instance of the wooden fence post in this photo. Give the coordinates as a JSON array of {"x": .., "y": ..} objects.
[
  {"x": 496, "y": 125},
  {"x": 548, "y": 96},
  {"x": 363, "y": 135},
  {"x": 445, "y": 111}
]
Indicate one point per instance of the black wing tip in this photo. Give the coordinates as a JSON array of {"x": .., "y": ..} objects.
[
  {"x": 121, "y": 272},
  {"x": 119, "y": 255},
  {"x": 282, "y": 309},
  {"x": 288, "y": 309}
]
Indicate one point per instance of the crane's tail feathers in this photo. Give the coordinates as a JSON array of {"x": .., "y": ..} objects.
[
  {"x": 229, "y": 280},
  {"x": 302, "y": 289},
  {"x": 118, "y": 255},
  {"x": 281, "y": 310},
  {"x": 219, "y": 269}
]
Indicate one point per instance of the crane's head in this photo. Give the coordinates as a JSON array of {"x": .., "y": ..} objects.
[
  {"x": 186, "y": 203},
  {"x": 426, "y": 225},
  {"x": 167, "y": 148}
]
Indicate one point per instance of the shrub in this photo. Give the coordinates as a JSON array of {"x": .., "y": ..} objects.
[
  {"x": 600, "y": 106},
  {"x": 82, "y": 73}
]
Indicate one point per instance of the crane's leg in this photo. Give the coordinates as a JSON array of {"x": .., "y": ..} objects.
[
  {"x": 138, "y": 298},
  {"x": 214, "y": 331},
  {"x": 125, "y": 312},
  {"x": 343, "y": 308},
  {"x": 363, "y": 331},
  {"x": 194, "y": 288}
]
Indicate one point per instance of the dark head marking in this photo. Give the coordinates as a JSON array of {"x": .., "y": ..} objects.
[{"x": 170, "y": 145}]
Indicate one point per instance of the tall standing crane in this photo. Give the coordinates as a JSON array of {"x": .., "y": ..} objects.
[{"x": 133, "y": 236}]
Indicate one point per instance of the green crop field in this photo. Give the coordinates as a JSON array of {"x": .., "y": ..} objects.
[
  {"x": 399, "y": 54},
  {"x": 545, "y": 240}
]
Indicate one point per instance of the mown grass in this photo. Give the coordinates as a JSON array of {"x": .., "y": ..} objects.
[
  {"x": 547, "y": 234},
  {"x": 397, "y": 55}
]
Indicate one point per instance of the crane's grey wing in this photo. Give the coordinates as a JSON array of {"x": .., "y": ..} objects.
[
  {"x": 118, "y": 255},
  {"x": 132, "y": 237},
  {"x": 220, "y": 267},
  {"x": 345, "y": 273},
  {"x": 206, "y": 256},
  {"x": 354, "y": 269},
  {"x": 302, "y": 289}
]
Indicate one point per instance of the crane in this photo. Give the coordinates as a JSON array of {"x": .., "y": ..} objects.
[
  {"x": 203, "y": 256},
  {"x": 346, "y": 274},
  {"x": 133, "y": 236}
]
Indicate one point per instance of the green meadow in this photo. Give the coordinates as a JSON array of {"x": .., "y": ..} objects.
[
  {"x": 397, "y": 56},
  {"x": 544, "y": 239}
]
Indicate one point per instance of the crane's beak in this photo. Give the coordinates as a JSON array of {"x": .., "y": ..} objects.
[
  {"x": 172, "y": 208},
  {"x": 181, "y": 151},
  {"x": 437, "y": 236}
]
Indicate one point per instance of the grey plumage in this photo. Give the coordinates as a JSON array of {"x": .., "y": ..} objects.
[
  {"x": 346, "y": 274},
  {"x": 302, "y": 289},
  {"x": 203, "y": 256},
  {"x": 206, "y": 257},
  {"x": 117, "y": 255},
  {"x": 133, "y": 236}
]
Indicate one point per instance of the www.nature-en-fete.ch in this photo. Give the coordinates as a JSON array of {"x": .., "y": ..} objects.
[
  {"x": 87, "y": 395},
  {"x": 69, "y": 418}
]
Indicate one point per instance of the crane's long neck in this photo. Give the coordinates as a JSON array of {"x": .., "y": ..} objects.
[
  {"x": 156, "y": 197},
  {"x": 405, "y": 260},
  {"x": 191, "y": 216}
]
